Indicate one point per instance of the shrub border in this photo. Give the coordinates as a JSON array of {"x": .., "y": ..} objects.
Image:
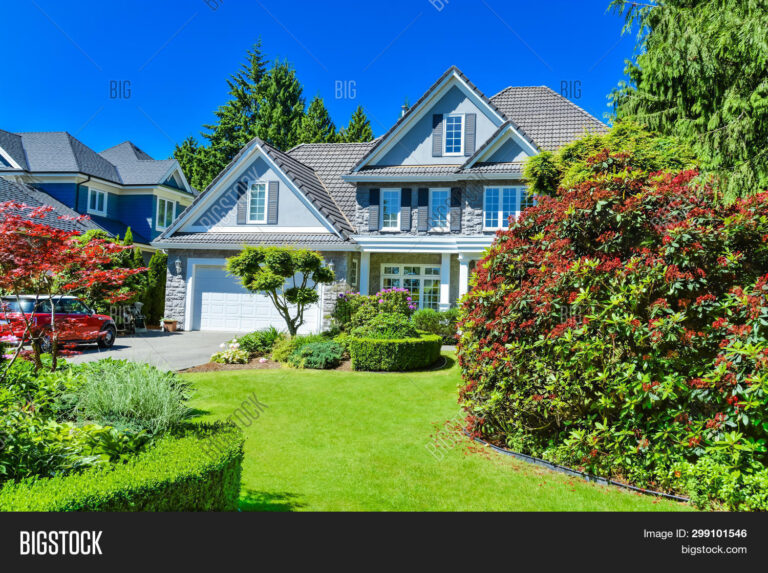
[
  {"x": 576, "y": 473},
  {"x": 425, "y": 340}
]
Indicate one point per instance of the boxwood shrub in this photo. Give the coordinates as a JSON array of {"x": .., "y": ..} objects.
[
  {"x": 397, "y": 355},
  {"x": 197, "y": 468}
]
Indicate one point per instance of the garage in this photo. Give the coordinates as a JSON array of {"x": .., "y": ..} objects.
[{"x": 221, "y": 303}]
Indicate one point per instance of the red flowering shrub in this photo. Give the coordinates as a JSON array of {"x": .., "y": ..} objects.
[{"x": 621, "y": 327}]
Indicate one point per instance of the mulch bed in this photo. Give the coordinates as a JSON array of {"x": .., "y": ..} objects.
[{"x": 254, "y": 364}]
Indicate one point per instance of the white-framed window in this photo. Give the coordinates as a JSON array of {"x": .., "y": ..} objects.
[
  {"x": 390, "y": 210},
  {"x": 439, "y": 209},
  {"x": 499, "y": 204},
  {"x": 423, "y": 282},
  {"x": 257, "y": 203},
  {"x": 453, "y": 135},
  {"x": 353, "y": 271},
  {"x": 166, "y": 213},
  {"x": 97, "y": 202}
]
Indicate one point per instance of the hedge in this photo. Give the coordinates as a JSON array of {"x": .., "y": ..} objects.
[
  {"x": 397, "y": 355},
  {"x": 197, "y": 468}
]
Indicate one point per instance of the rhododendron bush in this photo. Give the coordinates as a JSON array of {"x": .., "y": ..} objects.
[{"x": 621, "y": 327}]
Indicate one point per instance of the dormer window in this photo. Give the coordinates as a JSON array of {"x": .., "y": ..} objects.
[
  {"x": 97, "y": 202},
  {"x": 454, "y": 135}
]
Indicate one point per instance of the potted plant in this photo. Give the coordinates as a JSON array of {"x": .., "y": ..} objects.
[{"x": 170, "y": 324}]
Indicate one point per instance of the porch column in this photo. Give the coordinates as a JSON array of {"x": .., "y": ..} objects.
[
  {"x": 445, "y": 282},
  {"x": 365, "y": 271},
  {"x": 463, "y": 275}
]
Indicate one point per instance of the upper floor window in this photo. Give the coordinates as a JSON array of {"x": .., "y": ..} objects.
[
  {"x": 166, "y": 213},
  {"x": 500, "y": 204},
  {"x": 454, "y": 135},
  {"x": 97, "y": 202},
  {"x": 390, "y": 209},
  {"x": 257, "y": 203},
  {"x": 439, "y": 208}
]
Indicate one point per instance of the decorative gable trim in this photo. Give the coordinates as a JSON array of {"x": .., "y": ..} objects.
[{"x": 507, "y": 131}]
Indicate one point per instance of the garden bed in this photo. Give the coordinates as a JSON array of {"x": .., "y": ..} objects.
[{"x": 254, "y": 364}]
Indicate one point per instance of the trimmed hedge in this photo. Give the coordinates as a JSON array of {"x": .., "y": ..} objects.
[
  {"x": 197, "y": 468},
  {"x": 398, "y": 355}
]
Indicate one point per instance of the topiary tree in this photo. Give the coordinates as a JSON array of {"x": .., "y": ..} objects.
[
  {"x": 154, "y": 295},
  {"x": 287, "y": 275},
  {"x": 620, "y": 327}
]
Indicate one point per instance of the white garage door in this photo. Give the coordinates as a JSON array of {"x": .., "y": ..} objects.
[{"x": 222, "y": 303}]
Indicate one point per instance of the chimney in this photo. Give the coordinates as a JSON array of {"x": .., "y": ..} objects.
[{"x": 404, "y": 110}]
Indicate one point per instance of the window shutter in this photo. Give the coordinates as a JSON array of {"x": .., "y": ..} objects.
[
  {"x": 437, "y": 135},
  {"x": 405, "y": 209},
  {"x": 423, "y": 209},
  {"x": 470, "y": 134},
  {"x": 373, "y": 209},
  {"x": 273, "y": 195},
  {"x": 242, "y": 202},
  {"x": 456, "y": 209}
]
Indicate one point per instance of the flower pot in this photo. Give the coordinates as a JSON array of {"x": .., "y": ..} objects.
[{"x": 170, "y": 325}]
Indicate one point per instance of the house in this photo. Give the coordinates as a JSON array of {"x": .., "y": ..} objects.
[
  {"x": 118, "y": 188},
  {"x": 413, "y": 209}
]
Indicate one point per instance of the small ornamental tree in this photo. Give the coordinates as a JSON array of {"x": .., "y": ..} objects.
[
  {"x": 41, "y": 260},
  {"x": 621, "y": 327},
  {"x": 286, "y": 275}
]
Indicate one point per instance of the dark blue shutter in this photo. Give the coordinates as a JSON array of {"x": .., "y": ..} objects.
[
  {"x": 405, "y": 209},
  {"x": 456, "y": 209},
  {"x": 437, "y": 135},
  {"x": 242, "y": 202},
  {"x": 373, "y": 209},
  {"x": 423, "y": 209},
  {"x": 273, "y": 195},
  {"x": 470, "y": 134}
]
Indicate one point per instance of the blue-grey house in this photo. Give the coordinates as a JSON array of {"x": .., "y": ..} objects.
[{"x": 118, "y": 188}]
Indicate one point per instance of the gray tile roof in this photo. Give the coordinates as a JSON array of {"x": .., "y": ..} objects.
[
  {"x": 330, "y": 161},
  {"x": 513, "y": 167},
  {"x": 548, "y": 119},
  {"x": 388, "y": 170},
  {"x": 21, "y": 193},
  {"x": 136, "y": 167},
  {"x": 11, "y": 143},
  {"x": 253, "y": 239}
]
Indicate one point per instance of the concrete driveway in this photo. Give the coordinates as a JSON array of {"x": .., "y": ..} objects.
[{"x": 166, "y": 350}]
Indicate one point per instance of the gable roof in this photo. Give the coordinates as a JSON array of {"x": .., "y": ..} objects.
[
  {"x": 136, "y": 167},
  {"x": 549, "y": 119},
  {"x": 330, "y": 161},
  {"x": 21, "y": 193},
  {"x": 11, "y": 144}
]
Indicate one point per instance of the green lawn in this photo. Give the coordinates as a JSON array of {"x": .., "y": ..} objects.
[{"x": 348, "y": 441}]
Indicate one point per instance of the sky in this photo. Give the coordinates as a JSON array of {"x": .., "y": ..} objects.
[{"x": 154, "y": 71}]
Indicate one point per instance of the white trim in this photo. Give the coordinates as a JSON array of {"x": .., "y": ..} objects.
[
  {"x": 510, "y": 132},
  {"x": 250, "y": 190},
  {"x": 438, "y": 178},
  {"x": 416, "y": 114},
  {"x": 463, "y": 118},
  {"x": 431, "y": 219},
  {"x": 322, "y": 247},
  {"x": 177, "y": 167},
  {"x": 9, "y": 159},
  {"x": 102, "y": 213},
  {"x": 354, "y": 273},
  {"x": 259, "y": 229},
  {"x": 398, "y": 227},
  {"x": 423, "y": 244},
  {"x": 115, "y": 188},
  {"x": 158, "y": 225}
]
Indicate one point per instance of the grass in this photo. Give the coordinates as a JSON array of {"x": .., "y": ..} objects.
[{"x": 349, "y": 441}]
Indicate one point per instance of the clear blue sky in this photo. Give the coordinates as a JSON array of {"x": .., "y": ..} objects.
[{"x": 60, "y": 57}]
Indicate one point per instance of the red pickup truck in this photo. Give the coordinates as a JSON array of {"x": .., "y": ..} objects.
[{"x": 75, "y": 322}]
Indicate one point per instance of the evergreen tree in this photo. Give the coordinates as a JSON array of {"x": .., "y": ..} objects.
[
  {"x": 154, "y": 295},
  {"x": 128, "y": 239},
  {"x": 280, "y": 107},
  {"x": 359, "y": 129},
  {"x": 701, "y": 74},
  {"x": 316, "y": 126},
  {"x": 190, "y": 156}
]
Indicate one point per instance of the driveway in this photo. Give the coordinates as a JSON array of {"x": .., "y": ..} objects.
[{"x": 166, "y": 350}]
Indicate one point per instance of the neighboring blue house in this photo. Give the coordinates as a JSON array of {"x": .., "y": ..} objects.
[{"x": 118, "y": 188}]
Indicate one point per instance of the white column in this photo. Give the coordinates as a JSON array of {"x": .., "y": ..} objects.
[
  {"x": 365, "y": 271},
  {"x": 463, "y": 275},
  {"x": 445, "y": 282}
]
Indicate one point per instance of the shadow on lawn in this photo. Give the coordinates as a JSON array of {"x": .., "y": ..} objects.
[{"x": 269, "y": 501}]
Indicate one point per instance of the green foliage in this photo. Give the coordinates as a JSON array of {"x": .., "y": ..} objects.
[
  {"x": 131, "y": 395},
  {"x": 154, "y": 295},
  {"x": 377, "y": 355},
  {"x": 231, "y": 353},
  {"x": 317, "y": 355},
  {"x": 259, "y": 343},
  {"x": 443, "y": 323},
  {"x": 286, "y": 347},
  {"x": 359, "y": 128},
  {"x": 317, "y": 126},
  {"x": 620, "y": 327},
  {"x": 354, "y": 310},
  {"x": 195, "y": 469},
  {"x": 268, "y": 270},
  {"x": 569, "y": 166},
  {"x": 700, "y": 74},
  {"x": 387, "y": 326},
  {"x": 280, "y": 110}
]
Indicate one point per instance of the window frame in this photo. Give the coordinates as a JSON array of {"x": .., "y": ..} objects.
[
  {"x": 398, "y": 203},
  {"x": 422, "y": 276},
  {"x": 97, "y": 193},
  {"x": 160, "y": 226},
  {"x": 432, "y": 226},
  {"x": 518, "y": 190},
  {"x": 249, "y": 202},
  {"x": 463, "y": 119},
  {"x": 354, "y": 269}
]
